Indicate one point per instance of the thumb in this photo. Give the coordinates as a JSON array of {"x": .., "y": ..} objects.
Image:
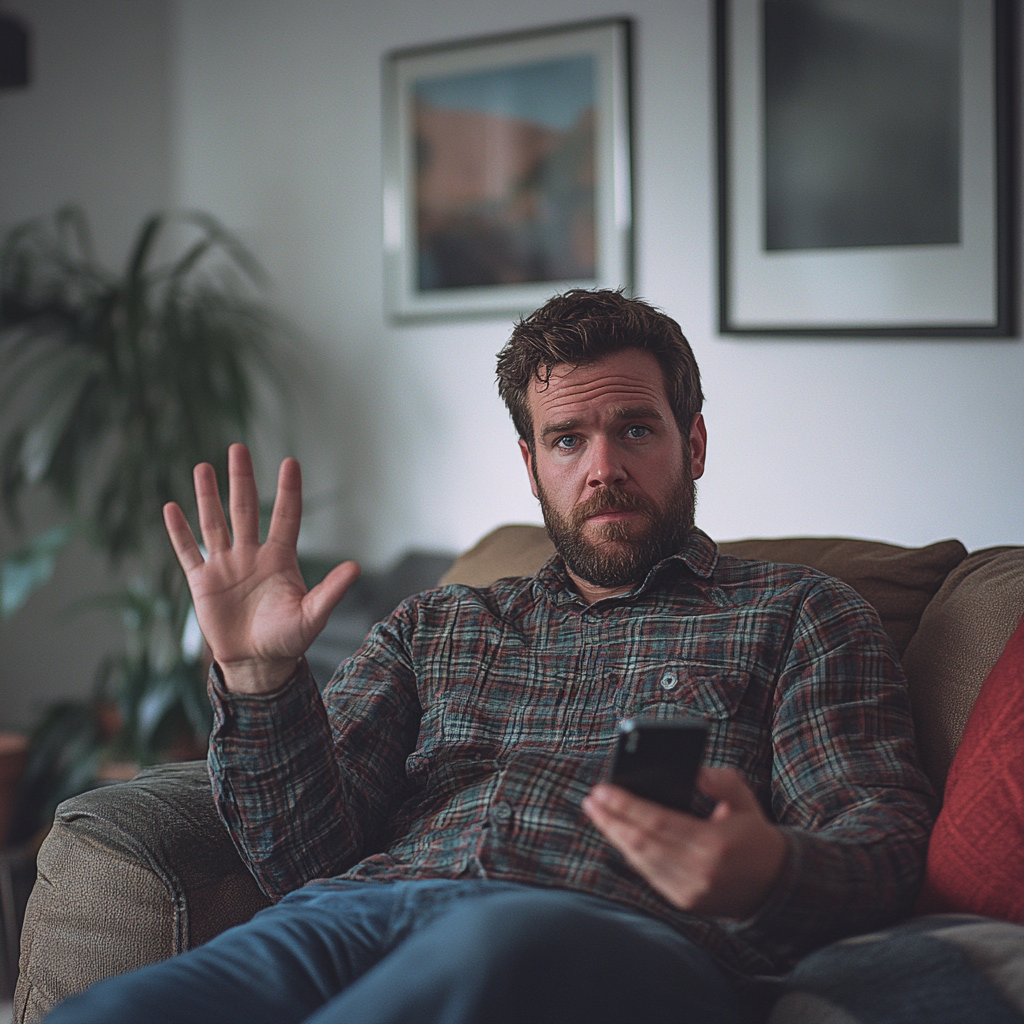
[
  {"x": 318, "y": 604},
  {"x": 727, "y": 786}
]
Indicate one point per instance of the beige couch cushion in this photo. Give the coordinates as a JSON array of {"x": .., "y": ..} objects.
[
  {"x": 507, "y": 551},
  {"x": 899, "y": 582},
  {"x": 963, "y": 631}
]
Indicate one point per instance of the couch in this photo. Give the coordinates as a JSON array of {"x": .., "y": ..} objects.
[{"x": 133, "y": 873}]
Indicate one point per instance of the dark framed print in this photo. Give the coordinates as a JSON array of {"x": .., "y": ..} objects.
[
  {"x": 507, "y": 170},
  {"x": 864, "y": 167}
]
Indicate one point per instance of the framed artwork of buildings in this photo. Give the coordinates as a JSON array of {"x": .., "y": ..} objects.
[{"x": 507, "y": 171}]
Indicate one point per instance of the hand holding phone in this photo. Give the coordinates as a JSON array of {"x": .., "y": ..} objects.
[{"x": 659, "y": 759}]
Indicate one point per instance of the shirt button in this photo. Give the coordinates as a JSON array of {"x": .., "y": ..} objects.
[
  {"x": 501, "y": 812},
  {"x": 669, "y": 681},
  {"x": 613, "y": 678}
]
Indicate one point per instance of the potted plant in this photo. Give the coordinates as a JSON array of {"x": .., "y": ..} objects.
[{"x": 114, "y": 386}]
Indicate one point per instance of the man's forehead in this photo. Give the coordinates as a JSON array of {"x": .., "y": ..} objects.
[{"x": 627, "y": 379}]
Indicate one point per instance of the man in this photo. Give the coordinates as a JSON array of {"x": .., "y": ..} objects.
[{"x": 436, "y": 828}]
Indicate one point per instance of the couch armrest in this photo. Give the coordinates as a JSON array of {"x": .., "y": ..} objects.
[
  {"x": 962, "y": 634},
  {"x": 130, "y": 874}
]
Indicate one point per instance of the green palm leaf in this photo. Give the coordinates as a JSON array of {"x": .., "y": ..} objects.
[{"x": 114, "y": 384}]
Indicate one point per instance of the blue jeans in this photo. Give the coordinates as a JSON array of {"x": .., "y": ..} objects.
[{"x": 429, "y": 952}]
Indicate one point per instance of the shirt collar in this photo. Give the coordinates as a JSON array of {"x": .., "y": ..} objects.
[{"x": 698, "y": 555}]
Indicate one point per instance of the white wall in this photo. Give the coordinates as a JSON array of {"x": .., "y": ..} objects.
[
  {"x": 267, "y": 113},
  {"x": 93, "y": 129},
  {"x": 279, "y": 133}
]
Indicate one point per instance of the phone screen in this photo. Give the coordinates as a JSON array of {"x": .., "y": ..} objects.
[{"x": 658, "y": 760}]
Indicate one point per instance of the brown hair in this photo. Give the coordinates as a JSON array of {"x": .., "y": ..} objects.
[{"x": 581, "y": 327}]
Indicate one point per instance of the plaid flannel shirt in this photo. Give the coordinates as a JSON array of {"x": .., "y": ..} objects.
[{"x": 461, "y": 739}]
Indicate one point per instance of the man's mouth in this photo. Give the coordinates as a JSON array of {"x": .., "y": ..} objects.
[
  {"x": 611, "y": 514},
  {"x": 613, "y": 508}
]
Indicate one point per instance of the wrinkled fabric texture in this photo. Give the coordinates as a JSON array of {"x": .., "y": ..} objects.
[
  {"x": 444, "y": 952},
  {"x": 461, "y": 739},
  {"x": 943, "y": 969}
]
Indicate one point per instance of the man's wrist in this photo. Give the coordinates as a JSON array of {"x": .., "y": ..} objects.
[
  {"x": 777, "y": 892},
  {"x": 775, "y": 857},
  {"x": 257, "y": 676}
]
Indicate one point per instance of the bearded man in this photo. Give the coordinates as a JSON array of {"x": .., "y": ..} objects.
[{"x": 436, "y": 828}]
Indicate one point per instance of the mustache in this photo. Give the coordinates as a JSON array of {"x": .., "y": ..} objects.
[{"x": 612, "y": 499}]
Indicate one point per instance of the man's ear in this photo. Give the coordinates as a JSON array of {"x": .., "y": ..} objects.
[
  {"x": 698, "y": 446},
  {"x": 528, "y": 459}
]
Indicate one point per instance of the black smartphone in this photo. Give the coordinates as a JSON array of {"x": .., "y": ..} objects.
[{"x": 658, "y": 760}]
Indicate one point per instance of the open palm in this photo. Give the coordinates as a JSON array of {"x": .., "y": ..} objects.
[{"x": 250, "y": 598}]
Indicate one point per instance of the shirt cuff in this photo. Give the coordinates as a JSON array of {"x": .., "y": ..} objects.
[{"x": 240, "y": 715}]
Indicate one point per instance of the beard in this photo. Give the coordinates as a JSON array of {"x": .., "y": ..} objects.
[{"x": 621, "y": 553}]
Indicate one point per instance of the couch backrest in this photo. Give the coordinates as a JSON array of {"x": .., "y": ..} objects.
[
  {"x": 899, "y": 582},
  {"x": 949, "y": 614}
]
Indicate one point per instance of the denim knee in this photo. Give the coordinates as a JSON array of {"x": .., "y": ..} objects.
[{"x": 559, "y": 956}]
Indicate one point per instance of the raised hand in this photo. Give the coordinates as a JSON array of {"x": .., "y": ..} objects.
[
  {"x": 722, "y": 866},
  {"x": 250, "y": 598}
]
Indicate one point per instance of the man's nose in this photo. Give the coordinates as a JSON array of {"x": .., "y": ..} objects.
[{"x": 607, "y": 466}]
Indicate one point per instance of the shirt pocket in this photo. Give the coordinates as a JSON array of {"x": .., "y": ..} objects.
[
  {"x": 731, "y": 701},
  {"x": 673, "y": 690}
]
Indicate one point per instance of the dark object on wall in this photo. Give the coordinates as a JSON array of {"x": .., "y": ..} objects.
[
  {"x": 13, "y": 54},
  {"x": 864, "y": 167},
  {"x": 862, "y": 127}
]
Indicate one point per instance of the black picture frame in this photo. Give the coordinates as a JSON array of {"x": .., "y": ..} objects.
[{"x": 962, "y": 289}]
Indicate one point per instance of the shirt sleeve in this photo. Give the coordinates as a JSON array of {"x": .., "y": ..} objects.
[
  {"x": 846, "y": 787},
  {"x": 303, "y": 794}
]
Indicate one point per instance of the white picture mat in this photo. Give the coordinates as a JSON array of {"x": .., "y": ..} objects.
[
  {"x": 607, "y": 44},
  {"x": 882, "y": 286}
]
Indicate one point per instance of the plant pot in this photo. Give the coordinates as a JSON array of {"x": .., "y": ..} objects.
[{"x": 13, "y": 752}]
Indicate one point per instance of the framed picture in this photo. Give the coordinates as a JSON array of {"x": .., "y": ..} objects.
[
  {"x": 864, "y": 167},
  {"x": 507, "y": 171}
]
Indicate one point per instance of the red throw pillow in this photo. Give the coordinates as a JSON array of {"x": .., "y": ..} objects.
[{"x": 976, "y": 856}]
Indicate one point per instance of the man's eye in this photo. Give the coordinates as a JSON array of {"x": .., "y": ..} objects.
[
  {"x": 638, "y": 431},
  {"x": 567, "y": 442}
]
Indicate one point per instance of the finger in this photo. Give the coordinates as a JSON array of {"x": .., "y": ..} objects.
[
  {"x": 612, "y": 800},
  {"x": 643, "y": 847},
  {"x": 614, "y": 828},
  {"x": 622, "y": 805},
  {"x": 184, "y": 544},
  {"x": 727, "y": 786},
  {"x": 243, "y": 500},
  {"x": 287, "y": 517},
  {"x": 629, "y": 841},
  {"x": 318, "y": 604},
  {"x": 211, "y": 515},
  {"x": 602, "y": 812}
]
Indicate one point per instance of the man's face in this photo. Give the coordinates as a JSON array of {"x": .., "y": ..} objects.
[{"x": 613, "y": 473}]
